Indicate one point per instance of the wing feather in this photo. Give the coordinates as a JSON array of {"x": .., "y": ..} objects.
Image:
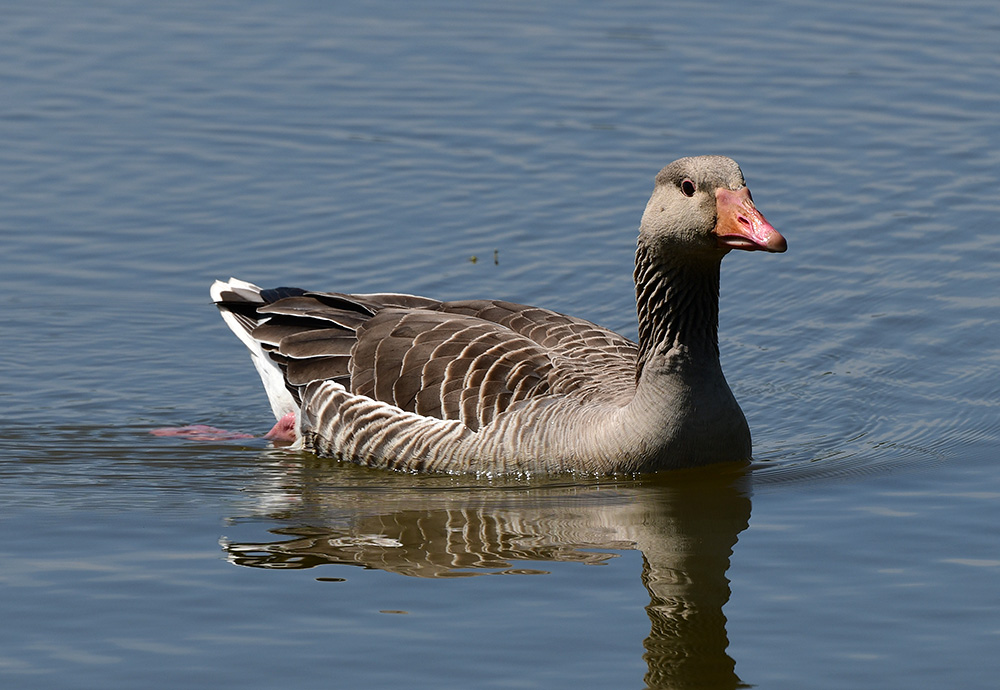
[{"x": 469, "y": 360}]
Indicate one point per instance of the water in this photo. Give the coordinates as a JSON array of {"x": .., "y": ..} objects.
[{"x": 150, "y": 149}]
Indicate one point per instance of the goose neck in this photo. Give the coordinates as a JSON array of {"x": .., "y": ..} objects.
[{"x": 677, "y": 305}]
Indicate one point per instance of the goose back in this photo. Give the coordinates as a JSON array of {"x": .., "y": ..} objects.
[{"x": 469, "y": 360}]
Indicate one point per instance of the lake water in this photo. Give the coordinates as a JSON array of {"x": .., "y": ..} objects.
[{"x": 149, "y": 148}]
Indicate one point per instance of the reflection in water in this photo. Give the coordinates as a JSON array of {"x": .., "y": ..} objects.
[{"x": 684, "y": 525}]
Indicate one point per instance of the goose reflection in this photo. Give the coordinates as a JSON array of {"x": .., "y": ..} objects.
[{"x": 685, "y": 527}]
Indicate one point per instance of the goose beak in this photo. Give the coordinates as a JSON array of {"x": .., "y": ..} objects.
[{"x": 739, "y": 225}]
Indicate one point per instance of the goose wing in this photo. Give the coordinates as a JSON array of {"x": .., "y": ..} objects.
[{"x": 469, "y": 360}]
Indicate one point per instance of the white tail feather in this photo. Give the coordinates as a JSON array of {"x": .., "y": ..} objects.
[{"x": 274, "y": 383}]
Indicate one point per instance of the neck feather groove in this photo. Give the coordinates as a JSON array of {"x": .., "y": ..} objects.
[{"x": 677, "y": 303}]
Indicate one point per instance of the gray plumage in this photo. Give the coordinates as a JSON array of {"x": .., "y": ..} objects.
[{"x": 492, "y": 387}]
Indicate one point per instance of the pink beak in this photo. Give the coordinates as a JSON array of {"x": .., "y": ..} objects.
[{"x": 740, "y": 225}]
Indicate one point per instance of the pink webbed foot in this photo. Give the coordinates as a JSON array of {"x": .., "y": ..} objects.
[
  {"x": 282, "y": 433},
  {"x": 200, "y": 432},
  {"x": 284, "y": 430}
]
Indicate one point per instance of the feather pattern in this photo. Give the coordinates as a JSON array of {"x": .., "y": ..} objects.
[{"x": 488, "y": 386}]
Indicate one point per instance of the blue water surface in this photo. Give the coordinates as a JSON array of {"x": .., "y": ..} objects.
[{"x": 497, "y": 150}]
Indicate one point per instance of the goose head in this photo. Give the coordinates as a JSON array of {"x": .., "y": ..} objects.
[{"x": 701, "y": 207}]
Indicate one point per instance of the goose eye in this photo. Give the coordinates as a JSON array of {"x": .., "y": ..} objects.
[{"x": 687, "y": 188}]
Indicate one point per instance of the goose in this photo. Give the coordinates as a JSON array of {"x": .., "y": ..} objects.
[{"x": 489, "y": 387}]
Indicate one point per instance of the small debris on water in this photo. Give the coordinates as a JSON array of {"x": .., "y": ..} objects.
[{"x": 496, "y": 258}]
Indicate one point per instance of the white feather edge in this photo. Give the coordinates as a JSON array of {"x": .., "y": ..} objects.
[{"x": 281, "y": 400}]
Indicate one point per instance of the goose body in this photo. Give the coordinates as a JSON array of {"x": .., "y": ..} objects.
[{"x": 490, "y": 387}]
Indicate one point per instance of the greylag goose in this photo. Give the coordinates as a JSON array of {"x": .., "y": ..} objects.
[{"x": 489, "y": 387}]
